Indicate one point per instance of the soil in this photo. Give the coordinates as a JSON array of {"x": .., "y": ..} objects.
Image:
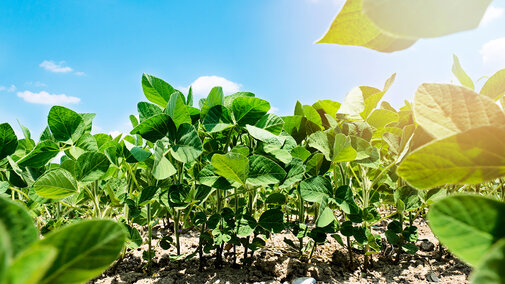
[{"x": 278, "y": 263}]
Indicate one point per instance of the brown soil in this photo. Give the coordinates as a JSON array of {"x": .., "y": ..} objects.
[{"x": 277, "y": 263}]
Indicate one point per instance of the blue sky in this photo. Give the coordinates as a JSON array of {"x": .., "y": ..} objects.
[{"x": 90, "y": 55}]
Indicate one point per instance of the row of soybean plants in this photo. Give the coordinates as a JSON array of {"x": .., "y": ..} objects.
[{"x": 237, "y": 174}]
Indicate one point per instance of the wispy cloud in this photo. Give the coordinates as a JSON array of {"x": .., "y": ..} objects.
[
  {"x": 46, "y": 98},
  {"x": 56, "y": 67},
  {"x": 11, "y": 89},
  {"x": 80, "y": 73},
  {"x": 492, "y": 13},
  {"x": 202, "y": 86},
  {"x": 36, "y": 84},
  {"x": 493, "y": 54}
]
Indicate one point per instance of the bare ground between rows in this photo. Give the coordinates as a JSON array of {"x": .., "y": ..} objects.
[{"x": 276, "y": 263}]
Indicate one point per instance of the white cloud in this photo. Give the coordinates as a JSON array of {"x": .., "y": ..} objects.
[
  {"x": 492, "y": 13},
  {"x": 10, "y": 89},
  {"x": 47, "y": 99},
  {"x": 36, "y": 84},
  {"x": 80, "y": 73},
  {"x": 273, "y": 109},
  {"x": 493, "y": 53},
  {"x": 202, "y": 86},
  {"x": 55, "y": 67}
]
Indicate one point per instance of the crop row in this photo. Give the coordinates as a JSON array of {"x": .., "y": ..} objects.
[{"x": 238, "y": 174}]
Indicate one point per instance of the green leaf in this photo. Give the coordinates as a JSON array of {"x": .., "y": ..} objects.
[
  {"x": 325, "y": 218},
  {"x": 263, "y": 171},
  {"x": 232, "y": 166},
  {"x": 468, "y": 225},
  {"x": 228, "y": 100},
  {"x": 316, "y": 189},
  {"x": 140, "y": 154},
  {"x": 352, "y": 27},
  {"x": 245, "y": 225},
  {"x": 8, "y": 140},
  {"x": 330, "y": 107},
  {"x": 460, "y": 74},
  {"x": 295, "y": 171},
  {"x": 146, "y": 110},
  {"x": 427, "y": 18},
  {"x": 276, "y": 198},
  {"x": 300, "y": 153},
  {"x": 217, "y": 119},
  {"x": 156, "y": 90},
  {"x": 215, "y": 98},
  {"x": 187, "y": 145},
  {"x": 264, "y": 135},
  {"x": 31, "y": 265},
  {"x": 65, "y": 124},
  {"x": 271, "y": 123},
  {"x": 342, "y": 149},
  {"x": 471, "y": 157},
  {"x": 85, "y": 249},
  {"x": 249, "y": 110},
  {"x": 91, "y": 166},
  {"x": 379, "y": 118},
  {"x": 312, "y": 115},
  {"x": 178, "y": 110},
  {"x": 444, "y": 110},
  {"x": 494, "y": 87},
  {"x": 155, "y": 127},
  {"x": 18, "y": 224},
  {"x": 272, "y": 220},
  {"x": 162, "y": 168},
  {"x": 5, "y": 252},
  {"x": 323, "y": 142},
  {"x": 490, "y": 269},
  {"x": 44, "y": 152},
  {"x": 55, "y": 184}
]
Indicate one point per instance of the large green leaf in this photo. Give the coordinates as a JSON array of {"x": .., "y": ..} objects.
[
  {"x": 271, "y": 123},
  {"x": 490, "y": 270},
  {"x": 44, "y": 152},
  {"x": 8, "y": 140},
  {"x": 249, "y": 110},
  {"x": 379, "y": 118},
  {"x": 31, "y": 265},
  {"x": 155, "y": 127},
  {"x": 272, "y": 220},
  {"x": 316, "y": 189},
  {"x": 85, "y": 249},
  {"x": 215, "y": 98},
  {"x": 178, "y": 110},
  {"x": 18, "y": 224},
  {"x": 65, "y": 124},
  {"x": 444, "y": 110},
  {"x": 471, "y": 157},
  {"x": 188, "y": 145},
  {"x": 494, "y": 87},
  {"x": 217, "y": 119},
  {"x": 264, "y": 135},
  {"x": 146, "y": 110},
  {"x": 468, "y": 225},
  {"x": 460, "y": 74},
  {"x": 263, "y": 171},
  {"x": 91, "y": 166},
  {"x": 232, "y": 166},
  {"x": 323, "y": 142},
  {"x": 162, "y": 168},
  {"x": 427, "y": 18},
  {"x": 5, "y": 252},
  {"x": 342, "y": 149},
  {"x": 55, "y": 184},
  {"x": 156, "y": 90},
  {"x": 352, "y": 27}
]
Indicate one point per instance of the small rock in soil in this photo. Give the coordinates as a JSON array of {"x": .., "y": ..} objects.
[
  {"x": 304, "y": 280},
  {"x": 432, "y": 277},
  {"x": 427, "y": 246}
]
